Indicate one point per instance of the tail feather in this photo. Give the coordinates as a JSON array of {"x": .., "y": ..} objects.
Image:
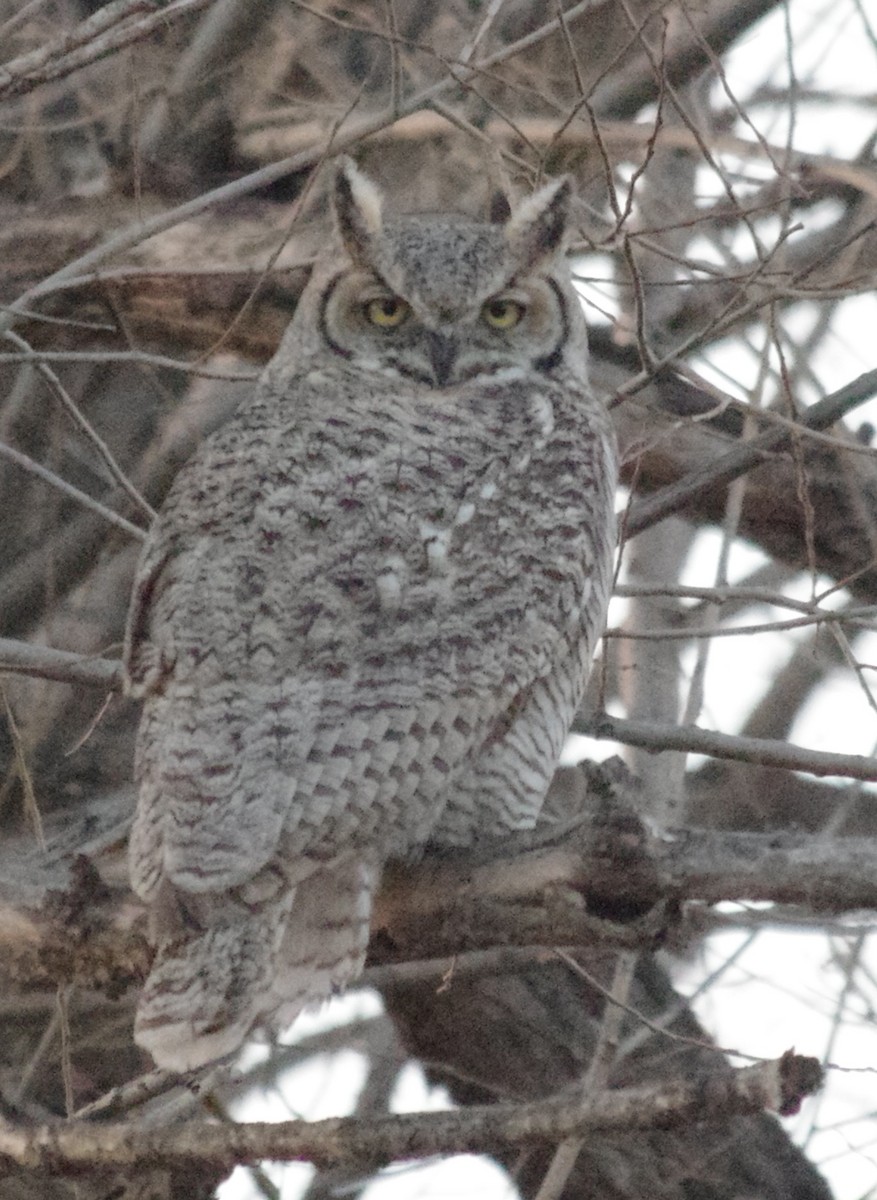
[
  {"x": 326, "y": 938},
  {"x": 205, "y": 992},
  {"x": 255, "y": 966}
]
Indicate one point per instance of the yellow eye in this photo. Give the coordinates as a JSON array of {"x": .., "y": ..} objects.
[
  {"x": 387, "y": 311},
  {"x": 502, "y": 314}
]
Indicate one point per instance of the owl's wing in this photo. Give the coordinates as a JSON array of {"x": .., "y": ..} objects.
[
  {"x": 260, "y": 855},
  {"x": 271, "y": 710},
  {"x": 232, "y": 768},
  {"x": 203, "y": 821},
  {"x": 262, "y": 823}
]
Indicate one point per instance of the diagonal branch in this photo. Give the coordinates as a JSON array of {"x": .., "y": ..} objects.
[
  {"x": 767, "y": 752},
  {"x": 832, "y": 408},
  {"x": 778, "y": 1085},
  {"x": 113, "y": 27},
  {"x": 67, "y": 489}
]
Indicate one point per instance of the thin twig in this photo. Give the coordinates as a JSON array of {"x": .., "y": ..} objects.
[
  {"x": 31, "y": 805},
  {"x": 140, "y": 358},
  {"x": 111, "y": 28},
  {"x": 42, "y": 662},
  {"x": 139, "y": 231},
  {"x": 62, "y": 999},
  {"x": 467, "y": 964},
  {"x": 597, "y": 1075},
  {"x": 766, "y": 752},
  {"x": 61, "y": 485},
  {"x": 71, "y": 408},
  {"x": 726, "y": 594},
  {"x": 143, "y": 1088},
  {"x": 863, "y": 616}
]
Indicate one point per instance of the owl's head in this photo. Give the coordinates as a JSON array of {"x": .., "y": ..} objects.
[{"x": 442, "y": 299}]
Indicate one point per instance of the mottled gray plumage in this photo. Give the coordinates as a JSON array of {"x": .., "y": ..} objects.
[{"x": 364, "y": 618}]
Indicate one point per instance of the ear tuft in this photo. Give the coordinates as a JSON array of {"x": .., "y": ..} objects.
[
  {"x": 538, "y": 226},
  {"x": 358, "y": 204},
  {"x": 498, "y": 209}
]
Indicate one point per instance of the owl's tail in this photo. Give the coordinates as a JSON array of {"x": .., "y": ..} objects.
[
  {"x": 257, "y": 965},
  {"x": 326, "y": 938}
]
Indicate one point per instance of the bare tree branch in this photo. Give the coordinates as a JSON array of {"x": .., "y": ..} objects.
[
  {"x": 649, "y": 510},
  {"x": 125, "y": 239},
  {"x": 67, "y": 489},
  {"x": 93, "y": 39},
  {"x": 778, "y": 1085},
  {"x": 42, "y": 662},
  {"x": 766, "y": 751}
]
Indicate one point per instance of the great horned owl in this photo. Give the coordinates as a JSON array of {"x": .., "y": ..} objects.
[{"x": 364, "y": 617}]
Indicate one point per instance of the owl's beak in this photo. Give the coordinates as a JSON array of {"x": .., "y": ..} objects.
[{"x": 442, "y": 355}]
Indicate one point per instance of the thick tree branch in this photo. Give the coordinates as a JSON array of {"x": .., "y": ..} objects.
[
  {"x": 778, "y": 1086},
  {"x": 612, "y": 867},
  {"x": 606, "y": 882}
]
